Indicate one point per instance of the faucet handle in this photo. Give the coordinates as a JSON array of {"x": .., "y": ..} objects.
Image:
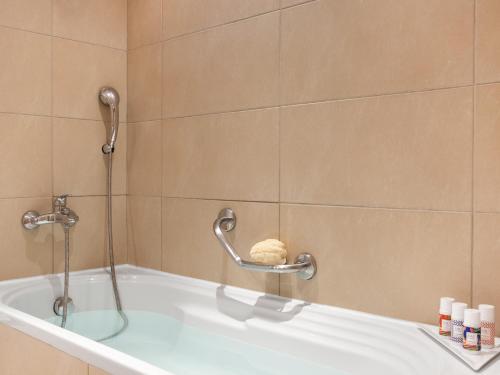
[{"x": 60, "y": 202}]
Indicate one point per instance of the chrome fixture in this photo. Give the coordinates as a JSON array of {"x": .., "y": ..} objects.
[
  {"x": 61, "y": 215},
  {"x": 304, "y": 265},
  {"x": 109, "y": 96},
  {"x": 58, "y": 306},
  {"x": 68, "y": 218}
]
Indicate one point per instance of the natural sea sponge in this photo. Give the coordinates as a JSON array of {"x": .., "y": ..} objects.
[{"x": 270, "y": 251}]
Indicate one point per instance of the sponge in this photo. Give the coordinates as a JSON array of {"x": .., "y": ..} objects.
[{"x": 269, "y": 251}]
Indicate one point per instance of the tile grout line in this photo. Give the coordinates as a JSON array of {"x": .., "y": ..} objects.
[
  {"x": 208, "y": 28},
  {"x": 279, "y": 133},
  {"x": 325, "y": 101},
  {"x": 52, "y": 173},
  {"x": 474, "y": 108},
  {"x": 408, "y": 209},
  {"x": 162, "y": 145},
  {"x": 249, "y": 109},
  {"x": 127, "y": 143},
  {"x": 51, "y": 35}
]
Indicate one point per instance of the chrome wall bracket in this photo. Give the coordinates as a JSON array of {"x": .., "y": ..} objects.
[{"x": 304, "y": 265}]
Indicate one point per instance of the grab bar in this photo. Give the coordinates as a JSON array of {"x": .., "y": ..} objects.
[{"x": 304, "y": 265}]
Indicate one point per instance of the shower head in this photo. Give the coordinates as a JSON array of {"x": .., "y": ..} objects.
[{"x": 109, "y": 96}]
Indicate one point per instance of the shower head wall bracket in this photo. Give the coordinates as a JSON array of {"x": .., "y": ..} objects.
[{"x": 110, "y": 97}]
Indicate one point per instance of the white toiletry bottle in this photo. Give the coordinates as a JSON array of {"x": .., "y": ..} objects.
[
  {"x": 457, "y": 322},
  {"x": 445, "y": 316},
  {"x": 487, "y": 326},
  {"x": 472, "y": 330}
]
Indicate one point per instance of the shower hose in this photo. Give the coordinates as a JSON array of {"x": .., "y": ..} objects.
[{"x": 111, "y": 259}]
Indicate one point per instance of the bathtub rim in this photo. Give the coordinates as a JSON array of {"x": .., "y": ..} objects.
[{"x": 115, "y": 361}]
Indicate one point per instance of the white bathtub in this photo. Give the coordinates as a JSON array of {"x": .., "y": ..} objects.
[{"x": 347, "y": 341}]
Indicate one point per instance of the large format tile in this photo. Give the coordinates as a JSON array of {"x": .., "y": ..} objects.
[
  {"x": 23, "y": 354},
  {"x": 185, "y": 16},
  {"x": 228, "y": 156},
  {"x": 144, "y": 231},
  {"x": 93, "y": 21},
  {"x": 144, "y": 83},
  {"x": 144, "y": 158},
  {"x": 486, "y": 257},
  {"x": 88, "y": 244},
  {"x": 79, "y": 71},
  {"x": 32, "y": 15},
  {"x": 26, "y": 162},
  {"x": 25, "y": 65},
  {"x": 25, "y": 253},
  {"x": 144, "y": 22},
  {"x": 389, "y": 262},
  {"x": 486, "y": 149},
  {"x": 289, "y": 3},
  {"x": 227, "y": 68},
  {"x": 191, "y": 249},
  {"x": 350, "y": 48},
  {"x": 97, "y": 371},
  {"x": 411, "y": 150},
  {"x": 83, "y": 169},
  {"x": 487, "y": 41}
]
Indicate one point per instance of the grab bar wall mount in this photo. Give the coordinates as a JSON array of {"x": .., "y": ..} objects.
[{"x": 304, "y": 265}]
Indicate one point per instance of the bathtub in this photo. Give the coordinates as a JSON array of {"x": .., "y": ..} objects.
[{"x": 179, "y": 325}]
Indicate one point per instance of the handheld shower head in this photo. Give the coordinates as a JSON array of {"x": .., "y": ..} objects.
[{"x": 110, "y": 97}]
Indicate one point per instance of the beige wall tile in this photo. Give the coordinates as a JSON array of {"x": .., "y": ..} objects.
[
  {"x": 486, "y": 149},
  {"x": 487, "y": 40},
  {"x": 348, "y": 48},
  {"x": 88, "y": 244},
  {"x": 93, "y": 21},
  {"x": 144, "y": 22},
  {"x": 289, "y": 3},
  {"x": 144, "y": 83},
  {"x": 222, "y": 69},
  {"x": 83, "y": 170},
  {"x": 486, "y": 257},
  {"x": 96, "y": 371},
  {"x": 185, "y": 16},
  {"x": 144, "y": 154},
  {"x": 25, "y": 84},
  {"x": 43, "y": 358},
  {"x": 144, "y": 231},
  {"x": 228, "y": 156},
  {"x": 80, "y": 70},
  {"x": 411, "y": 150},
  {"x": 26, "y": 253},
  {"x": 26, "y": 163},
  {"x": 191, "y": 249},
  {"x": 33, "y": 15},
  {"x": 389, "y": 262}
]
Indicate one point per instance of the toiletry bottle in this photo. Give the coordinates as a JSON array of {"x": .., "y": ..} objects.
[
  {"x": 487, "y": 313},
  {"x": 457, "y": 321},
  {"x": 472, "y": 330},
  {"x": 445, "y": 315}
]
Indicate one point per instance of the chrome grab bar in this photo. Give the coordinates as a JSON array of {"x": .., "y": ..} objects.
[{"x": 304, "y": 264}]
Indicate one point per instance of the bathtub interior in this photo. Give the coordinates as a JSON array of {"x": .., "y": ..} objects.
[{"x": 332, "y": 338}]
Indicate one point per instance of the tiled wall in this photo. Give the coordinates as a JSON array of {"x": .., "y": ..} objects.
[
  {"x": 55, "y": 54},
  {"x": 365, "y": 132},
  {"x": 44, "y": 359}
]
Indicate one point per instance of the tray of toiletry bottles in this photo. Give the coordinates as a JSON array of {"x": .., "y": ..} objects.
[
  {"x": 468, "y": 333},
  {"x": 475, "y": 360}
]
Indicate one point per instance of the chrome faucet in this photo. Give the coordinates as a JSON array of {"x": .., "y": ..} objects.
[{"x": 61, "y": 215}]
